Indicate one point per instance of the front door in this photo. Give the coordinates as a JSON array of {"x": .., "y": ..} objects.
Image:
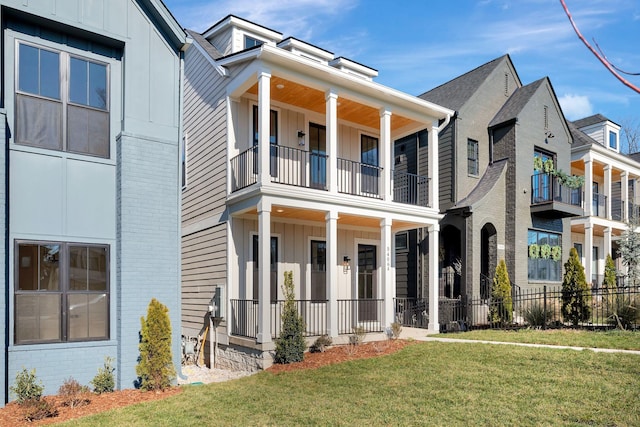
[
  {"x": 318, "y": 149},
  {"x": 367, "y": 272},
  {"x": 369, "y": 170}
]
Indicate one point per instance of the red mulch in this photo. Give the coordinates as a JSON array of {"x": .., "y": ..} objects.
[{"x": 12, "y": 414}]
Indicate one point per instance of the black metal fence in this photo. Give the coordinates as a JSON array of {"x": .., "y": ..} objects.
[
  {"x": 314, "y": 314},
  {"x": 410, "y": 188},
  {"x": 362, "y": 313},
  {"x": 359, "y": 179}
]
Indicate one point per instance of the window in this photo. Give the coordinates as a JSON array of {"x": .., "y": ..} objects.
[
  {"x": 61, "y": 292},
  {"x": 369, "y": 170},
  {"x": 250, "y": 42},
  {"x": 402, "y": 241},
  {"x": 613, "y": 140},
  {"x": 318, "y": 270},
  {"x": 273, "y": 140},
  {"x": 542, "y": 247},
  {"x": 472, "y": 157},
  {"x": 578, "y": 247},
  {"x": 62, "y": 102},
  {"x": 273, "y": 276},
  {"x": 541, "y": 181}
]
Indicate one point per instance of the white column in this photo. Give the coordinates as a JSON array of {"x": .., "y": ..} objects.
[
  {"x": 264, "y": 270},
  {"x": 434, "y": 278},
  {"x": 588, "y": 252},
  {"x": 624, "y": 176},
  {"x": 607, "y": 190},
  {"x": 385, "y": 154},
  {"x": 607, "y": 243},
  {"x": 331, "y": 98},
  {"x": 333, "y": 262},
  {"x": 588, "y": 187},
  {"x": 434, "y": 195},
  {"x": 264, "y": 124},
  {"x": 388, "y": 276}
]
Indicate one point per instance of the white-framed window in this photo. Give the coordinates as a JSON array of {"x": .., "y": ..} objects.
[
  {"x": 61, "y": 292},
  {"x": 62, "y": 101},
  {"x": 250, "y": 42},
  {"x": 613, "y": 140}
]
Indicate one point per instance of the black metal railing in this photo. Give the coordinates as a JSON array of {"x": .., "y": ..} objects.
[
  {"x": 244, "y": 318},
  {"x": 617, "y": 209},
  {"x": 548, "y": 188},
  {"x": 244, "y": 169},
  {"x": 363, "y": 313},
  {"x": 412, "y": 312},
  {"x": 411, "y": 189},
  {"x": 359, "y": 179},
  {"x": 599, "y": 205},
  {"x": 313, "y": 313}
]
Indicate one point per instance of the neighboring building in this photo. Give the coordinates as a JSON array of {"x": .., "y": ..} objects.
[
  {"x": 289, "y": 158},
  {"x": 495, "y": 204},
  {"x": 90, "y": 184},
  {"x": 611, "y": 194}
]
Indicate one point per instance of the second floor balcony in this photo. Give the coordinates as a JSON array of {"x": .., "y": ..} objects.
[
  {"x": 550, "y": 198},
  {"x": 307, "y": 169}
]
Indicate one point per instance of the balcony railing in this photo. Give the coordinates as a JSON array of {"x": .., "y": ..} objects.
[
  {"x": 410, "y": 189},
  {"x": 314, "y": 314},
  {"x": 599, "y": 205},
  {"x": 547, "y": 188},
  {"x": 617, "y": 209},
  {"x": 359, "y": 179}
]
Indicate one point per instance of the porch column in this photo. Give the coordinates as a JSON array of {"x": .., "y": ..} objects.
[
  {"x": 434, "y": 231},
  {"x": 607, "y": 243},
  {"x": 588, "y": 186},
  {"x": 588, "y": 252},
  {"x": 264, "y": 122},
  {"x": 434, "y": 196},
  {"x": 331, "y": 98},
  {"x": 331, "y": 276},
  {"x": 624, "y": 177},
  {"x": 264, "y": 270},
  {"x": 388, "y": 273},
  {"x": 607, "y": 190},
  {"x": 385, "y": 154}
]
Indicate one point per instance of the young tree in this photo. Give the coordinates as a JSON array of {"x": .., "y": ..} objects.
[
  {"x": 609, "y": 282},
  {"x": 290, "y": 345},
  {"x": 576, "y": 296},
  {"x": 629, "y": 248},
  {"x": 501, "y": 307},
  {"x": 155, "y": 365}
]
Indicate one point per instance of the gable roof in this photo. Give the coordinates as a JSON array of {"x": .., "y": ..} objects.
[
  {"x": 167, "y": 22},
  {"x": 200, "y": 41},
  {"x": 591, "y": 120},
  {"x": 580, "y": 138},
  {"x": 455, "y": 93},
  {"x": 516, "y": 103}
]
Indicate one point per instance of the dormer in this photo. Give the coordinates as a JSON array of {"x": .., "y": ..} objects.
[
  {"x": 352, "y": 67},
  {"x": 233, "y": 34},
  {"x": 602, "y": 130},
  {"x": 306, "y": 50}
]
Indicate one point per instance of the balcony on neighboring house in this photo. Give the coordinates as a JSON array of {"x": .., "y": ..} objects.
[
  {"x": 552, "y": 199},
  {"x": 599, "y": 205},
  {"x": 302, "y": 168}
]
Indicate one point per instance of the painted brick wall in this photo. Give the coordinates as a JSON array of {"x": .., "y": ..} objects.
[{"x": 148, "y": 245}]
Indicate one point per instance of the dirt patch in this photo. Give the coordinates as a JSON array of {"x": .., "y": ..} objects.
[{"x": 12, "y": 414}]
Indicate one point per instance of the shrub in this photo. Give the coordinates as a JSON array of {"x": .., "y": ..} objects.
[
  {"x": 623, "y": 311},
  {"x": 26, "y": 387},
  {"x": 38, "y": 409},
  {"x": 358, "y": 335},
  {"x": 320, "y": 344},
  {"x": 501, "y": 307},
  {"x": 155, "y": 366},
  {"x": 290, "y": 345},
  {"x": 396, "y": 330},
  {"x": 576, "y": 296},
  {"x": 104, "y": 381},
  {"x": 609, "y": 281},
  {"x": 536, "y": 316},
  {"x": 73, "y": 394}
]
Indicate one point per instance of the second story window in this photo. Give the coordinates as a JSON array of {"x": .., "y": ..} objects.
[
  {"x": 613, "y": 140},
  {"x": 62, "y": 102},
  {"x": 472, "y": 157},
  {"x": 250, "y": 42}
]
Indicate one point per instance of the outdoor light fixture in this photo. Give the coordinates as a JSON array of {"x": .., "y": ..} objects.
[
  {"x": 301, "y": 136},
  {"x": 345, "y": 264}
]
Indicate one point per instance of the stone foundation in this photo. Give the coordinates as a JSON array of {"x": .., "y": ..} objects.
[{"x": 236, "y": 358}]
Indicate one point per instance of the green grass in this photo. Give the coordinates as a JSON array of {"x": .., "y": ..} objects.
[
  {"x": 624, "y": 340},
  {"x": 424, "y": 384}
]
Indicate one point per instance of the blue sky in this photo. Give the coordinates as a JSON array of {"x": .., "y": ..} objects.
[{"x": 416, "y": 44}]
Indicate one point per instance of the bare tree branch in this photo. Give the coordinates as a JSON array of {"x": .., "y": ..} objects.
[{"x": 604, "y": 61}]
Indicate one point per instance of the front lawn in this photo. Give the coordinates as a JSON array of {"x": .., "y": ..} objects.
[
  {"x": 424, "y": 384},
  {"x": 624, "y": 340}
]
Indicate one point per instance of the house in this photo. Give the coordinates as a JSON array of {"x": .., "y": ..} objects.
[
  {"x": 90, "y": 184},
  {"x": 496, "y": 203},
  {"x": 289, "y": 158},
  {"x": 611, "y": 196}
]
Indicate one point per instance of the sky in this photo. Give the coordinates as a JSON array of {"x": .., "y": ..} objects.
[{"x": 417, "y": 45}]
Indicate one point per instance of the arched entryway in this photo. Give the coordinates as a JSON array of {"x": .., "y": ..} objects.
[
  {"x": 488, "y": 258},
  {"x": 450, "y": 262}
]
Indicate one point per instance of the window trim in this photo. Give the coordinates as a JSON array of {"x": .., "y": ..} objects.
[
  {"x": 311, "y": 270},
  {"x": 558, "y": 264},
  {"x": 63, "y": 290},
  {"x": 401, "y": 248},
  {"x": 617, "y": 141},
  {"x": 476, "y": 153}
]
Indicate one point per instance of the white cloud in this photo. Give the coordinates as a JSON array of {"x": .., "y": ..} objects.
[{"x": 576, "y": 106}]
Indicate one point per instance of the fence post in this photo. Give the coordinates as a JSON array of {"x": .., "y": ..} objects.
[{"x": 544, "y": 310}]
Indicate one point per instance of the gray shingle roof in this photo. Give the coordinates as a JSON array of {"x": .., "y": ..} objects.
[
  {"x": 485, "y": 185},
  {"x": 516, "y": 103},
  {"x": 455, "y": 93},
  {"x": 208, "y": 47},
  {"x": 591, "y": 120},
  {"x": 580, "y": 138}
]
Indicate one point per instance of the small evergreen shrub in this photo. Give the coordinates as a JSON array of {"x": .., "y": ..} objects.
[
  {"x": 290, "y": 345},
  {"x": 104, "y": 381},
  {"x": 155, "y": 365},
  {"x": 501, "y": 307},
  {"x": 576, "y": 296},
  {"x": 38, "y": 409},
  {"x": 73, "y": 394},
  {"x": 320, "y": 344},
  {"x": 27, "y": 387}
]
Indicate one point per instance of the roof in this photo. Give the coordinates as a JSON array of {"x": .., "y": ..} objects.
[
  {"x": 205, "y": 45},
  {"x": 516, "y": 102},
  {"x": 591, "y": 120},
  {"x": 485, "y": 185},
  {"x": 634, "y": 156},
  {"x": 455, "y": 93},
  {"x": 580, "y": 138},
  {"x": 167, "y": 22}
]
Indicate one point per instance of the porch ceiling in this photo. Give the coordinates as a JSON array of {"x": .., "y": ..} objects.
[
  {"x": 598, "y": 230},
  {"x": 312, "y": 99},
  {"x": 577, "y": 168}
]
